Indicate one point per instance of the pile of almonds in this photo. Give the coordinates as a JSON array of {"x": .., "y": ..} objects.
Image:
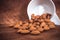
[{"x": 36, "y": 25}]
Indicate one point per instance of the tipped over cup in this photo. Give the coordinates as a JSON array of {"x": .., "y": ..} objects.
[{"x": 38, "y": 7}]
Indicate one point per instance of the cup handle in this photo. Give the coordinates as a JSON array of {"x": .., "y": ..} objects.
[{"x": 55, "y": 19}]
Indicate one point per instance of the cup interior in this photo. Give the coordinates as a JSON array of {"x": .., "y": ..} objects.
[{"x": 38, "y": 7}]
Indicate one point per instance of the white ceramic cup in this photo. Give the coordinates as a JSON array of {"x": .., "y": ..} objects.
[{"x": 38, "y": 7}]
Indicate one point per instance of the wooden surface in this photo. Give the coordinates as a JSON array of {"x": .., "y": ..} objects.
[
  {"x": 7, "y": 33},
  {"x": 16, "y": 10}
]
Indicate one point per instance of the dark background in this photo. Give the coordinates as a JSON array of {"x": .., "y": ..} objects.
[
  {"x": 15, "y": 10},
  {"x": 12, "y": 11}
]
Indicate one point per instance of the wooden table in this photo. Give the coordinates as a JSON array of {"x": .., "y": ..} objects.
[
  {"x": 7, "y": 33},
  {"x": 17, "y": 8}
]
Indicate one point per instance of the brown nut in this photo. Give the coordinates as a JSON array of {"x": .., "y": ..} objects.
[
  {"x": 20, "y": 22},
  {"x": 37, "y": 17},
  {"x": 33, "y": 16},
  {"x": 44, "y": 16},
  {"x": 16, "y": 25},
  {"x": 40, "y": 29},
  {"x": 41, "y": 20},
  {"x": 50, "y": 23},
  {"x": 48, "y": 16},
  {"x": 30, "y": 24},
  {"x": 40, "y": 17},
  {"x": 52, "y": 26},
  {"x": 46, "y": 27},
  {"x": 32, "y": 28},
  {"x": 26, "y": 24},
  {"x": 35, "y": 32},
  {"x": 47, "y": 20},
  {"x": 23, "y": 27},
  {"x": 23, "y": 31},
  {"x": 35, "y": 20},
  {"x": 37, "y": 26},
  {"x": 19, "y": 30},
  {"x": 37, "y": 23},
  {"x": 31, "y": 21},
  {"x": 43, "y": 24}
]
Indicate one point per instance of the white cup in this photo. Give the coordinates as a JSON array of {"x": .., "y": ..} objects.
[{"x": 38, "y": 7}]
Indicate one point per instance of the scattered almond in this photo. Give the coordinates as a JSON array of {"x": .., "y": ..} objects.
[{"x": 35, "y": 25}]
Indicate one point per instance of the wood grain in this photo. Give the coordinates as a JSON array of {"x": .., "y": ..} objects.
[{"x": 7, "y": 33}]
